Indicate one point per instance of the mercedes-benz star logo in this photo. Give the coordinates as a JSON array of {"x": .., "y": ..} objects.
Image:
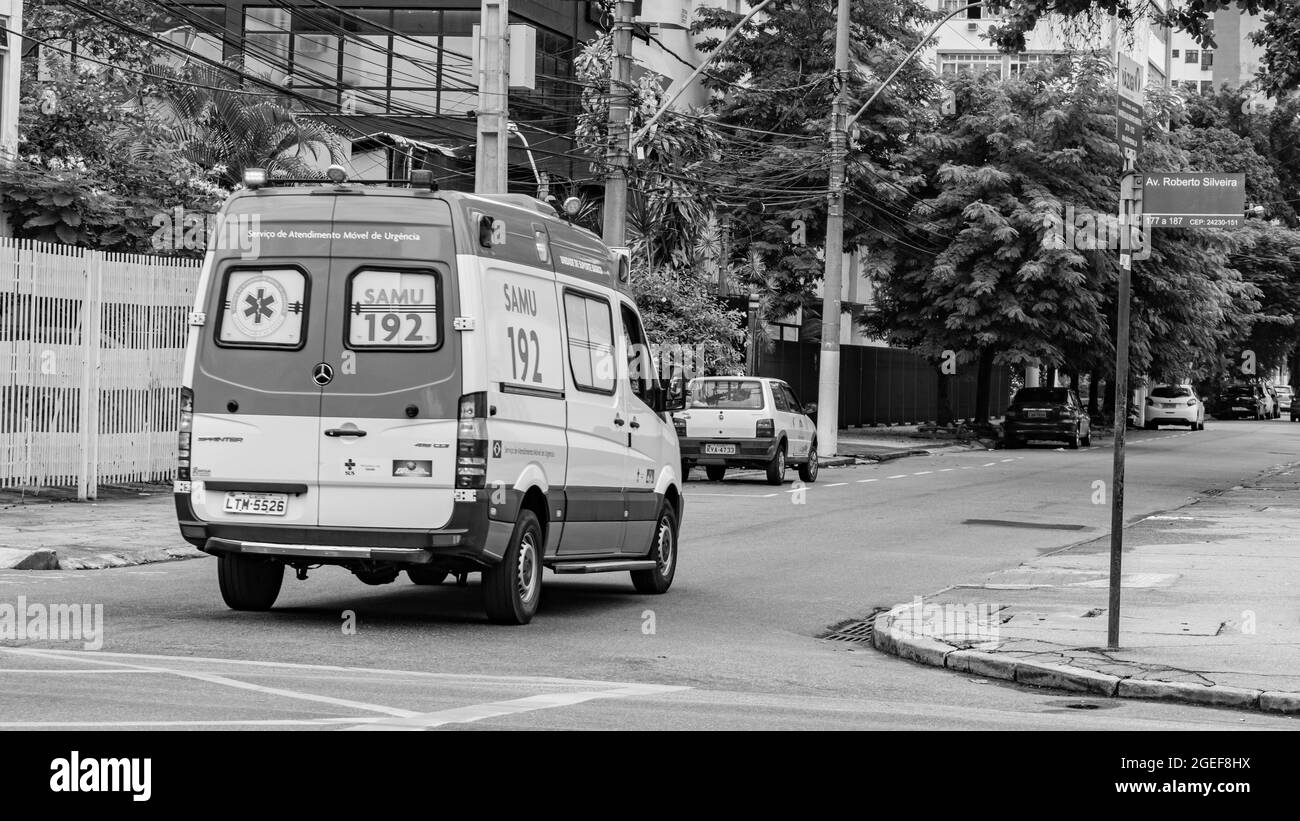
[{"x": 322, "y": 374}]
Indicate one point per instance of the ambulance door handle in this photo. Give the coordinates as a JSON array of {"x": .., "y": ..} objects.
[
  {"x": 344, "y": 432},
  {"x": 634, "y": 423},
  {"x": 618, "y": 420}
]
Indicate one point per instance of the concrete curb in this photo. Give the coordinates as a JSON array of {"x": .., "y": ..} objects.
[
  {"x": 44, "y": 559},
  {"x": 925, "y": 650}
]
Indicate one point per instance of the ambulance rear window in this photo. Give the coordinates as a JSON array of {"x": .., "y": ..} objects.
[
  {"x": 263, "y": 308},
  {"x": 393, "y": 309}
]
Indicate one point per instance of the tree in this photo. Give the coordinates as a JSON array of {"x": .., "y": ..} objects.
[
  {"x": 672, "y": 230},
  {"x": 773, "y": 89},
  {"x": 980, "y": 270},
  {"x": 1280, "y": 35}
]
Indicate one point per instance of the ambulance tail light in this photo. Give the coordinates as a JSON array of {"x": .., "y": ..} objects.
[
  {"x": 765, "y": 429},
  {"x": 184, "y": 427},
  {"x": 471, "y": 442}
]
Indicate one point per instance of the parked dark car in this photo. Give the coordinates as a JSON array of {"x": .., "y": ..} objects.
[
  {"x": 1242, "y": 402},
  {"x": 1054, "y": 414}
]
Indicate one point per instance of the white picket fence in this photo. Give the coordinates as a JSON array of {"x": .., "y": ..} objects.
[{"x": 91, "y": 351}]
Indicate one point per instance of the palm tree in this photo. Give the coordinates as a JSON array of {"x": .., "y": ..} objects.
[{"x": 224, "y": 128}]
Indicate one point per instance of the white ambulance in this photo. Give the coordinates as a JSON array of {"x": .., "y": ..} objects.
[{"x": 405, "y": 379}]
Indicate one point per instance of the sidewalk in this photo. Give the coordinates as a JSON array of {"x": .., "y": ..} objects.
[
  {"x": 884, "y": 443},
  {"x": 1210, "y": 609},
  {"x": 126, "y": 526}
]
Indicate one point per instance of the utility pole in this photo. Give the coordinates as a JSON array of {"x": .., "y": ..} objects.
[
  {"x": 828, "y": 379},
  {"x": 1130, "y": 221},
  {"x": 620, "y": 79},
  {"x": 493, "y": 145}
]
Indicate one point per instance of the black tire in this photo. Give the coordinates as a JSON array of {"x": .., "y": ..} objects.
[
  {"x": 715, "y": 472},
  {"x": 1073, "y": 442},
  {"x": 512, "y": 588},
  {"x": 1150, "y": 426},
  {"x": 808, "y": 470},
  {"x": 776, "y": 467},
  {"x": 1087, "y": 439},
  {"x": 1011, "y": 443},
  {"x": 686, "y": 470},
  {"x": 664, "y": 552},
  {"x": 426, "y": 575},
  {"x": 247, "y": 583}
]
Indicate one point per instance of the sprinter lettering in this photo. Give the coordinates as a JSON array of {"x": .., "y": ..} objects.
[{"x": 520, "y": 300}]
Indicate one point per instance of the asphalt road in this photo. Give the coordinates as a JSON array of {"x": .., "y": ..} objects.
[{"x": 733, "y": 645}]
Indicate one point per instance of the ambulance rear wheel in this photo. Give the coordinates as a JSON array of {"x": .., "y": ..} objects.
[
  {"x": 247, "y": 583},
  {"x": 664, "y": 553},
  {"x": 426, "y": 575},
  {"x": 512, "y": 588}
]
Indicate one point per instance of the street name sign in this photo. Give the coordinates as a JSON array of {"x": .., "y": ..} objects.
[
  {"x": 1193, "y": 199},
  {"x": 1128, "y": 104}
]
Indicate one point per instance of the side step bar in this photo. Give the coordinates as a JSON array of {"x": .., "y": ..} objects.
[{"x": 603, "y": 567}]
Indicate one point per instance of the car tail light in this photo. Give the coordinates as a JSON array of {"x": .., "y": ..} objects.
[
  {"x": 471, "y": 442},
  {"x": 1150, "y": 402},
  {"x": 1191, "y": 403},
  {"x": 185, "y": 427},
  {"x": 680, "y": 425},
  {"x": 765, "y": 428}
]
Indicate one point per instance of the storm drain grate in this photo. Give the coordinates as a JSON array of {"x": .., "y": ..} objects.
[{"x": 854, "y": 631}]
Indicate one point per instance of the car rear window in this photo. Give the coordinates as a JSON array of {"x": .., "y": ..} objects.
[
  {"x": 732, "y": 394},
  {"x": 1171, "y": 392},
  {"x": 1055, "y": 395}
]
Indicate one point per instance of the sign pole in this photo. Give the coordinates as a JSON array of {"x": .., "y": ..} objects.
[{"x": 1121, "y": 398}]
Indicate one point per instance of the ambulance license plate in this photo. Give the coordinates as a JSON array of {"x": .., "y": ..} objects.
[
  {"x": 260, "y": 504},
  {"x": 720, "y": 450}
]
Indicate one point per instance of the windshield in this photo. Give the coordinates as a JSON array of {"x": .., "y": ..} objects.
[
  {"x": 738, "y": 394},
  {"x": 1168, "y": 392},
  {"x": 1057, "y": 396}
]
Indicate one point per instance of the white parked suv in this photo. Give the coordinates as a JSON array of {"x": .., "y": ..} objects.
[{"x": 746, "y": 421}]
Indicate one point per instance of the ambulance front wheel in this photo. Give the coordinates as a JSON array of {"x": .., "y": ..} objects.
[
  {"x": 248, "y": 583},
  {"x": 512, "y": 588},
  {"x": 664, "y": 553}
]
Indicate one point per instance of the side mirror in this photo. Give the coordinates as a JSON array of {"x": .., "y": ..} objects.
[
  {"x": 810, "y": 408},
  {"x": 675, "y": 395}
]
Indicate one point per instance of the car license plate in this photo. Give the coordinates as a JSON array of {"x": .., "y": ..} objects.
[
  {"x": 1037, "y": 414},
  {"x": 720, "y": 450},
  {"x": 259, "y": 504},
  {"x": 1235, "y": 408}
]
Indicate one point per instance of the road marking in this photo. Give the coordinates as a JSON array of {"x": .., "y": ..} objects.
[
  {"x": 860, "y": 481},
  {"x": 1007, "y": 460},
  {"x": 922, "y": 472},
  {"x": 213, "y": 678},
  {"x": 496, "y": 709},
  {"x": 945, "y": 470},
  {"x": 837, "y": 484},
  {"x": 899, "y": 476},
  {"x": 735, "y": 495},
  {"x": 268, "y": 722},
  {"x": 988, "y": 464}
]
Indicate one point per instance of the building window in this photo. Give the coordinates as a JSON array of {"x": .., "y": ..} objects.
[
  {"x": 1174, "y": 53},
  {"x": 1192, "y": 56},
  {"x": 952, "y": 64},
  {"x": 1025, "y": 62},
  {"x": 1207, "y": 86},
  {"x": 1207, "y": 59},
  {"x": 351, "y": 58}
]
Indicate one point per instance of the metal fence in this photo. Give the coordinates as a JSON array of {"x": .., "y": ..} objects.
[{"x": 91, "y": 351}]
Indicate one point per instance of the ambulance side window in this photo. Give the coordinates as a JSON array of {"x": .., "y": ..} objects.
[
  {"x": 590, "y": 326},
  {"x": 640, "y": 364}
]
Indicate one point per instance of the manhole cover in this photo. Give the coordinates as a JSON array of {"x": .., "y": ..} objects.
[{"x": 854, "y": 631}]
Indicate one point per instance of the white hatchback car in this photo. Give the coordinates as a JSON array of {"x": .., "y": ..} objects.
[
  {"x": 746, "y": 421},
  {"x": 1174, "y": 405}
]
